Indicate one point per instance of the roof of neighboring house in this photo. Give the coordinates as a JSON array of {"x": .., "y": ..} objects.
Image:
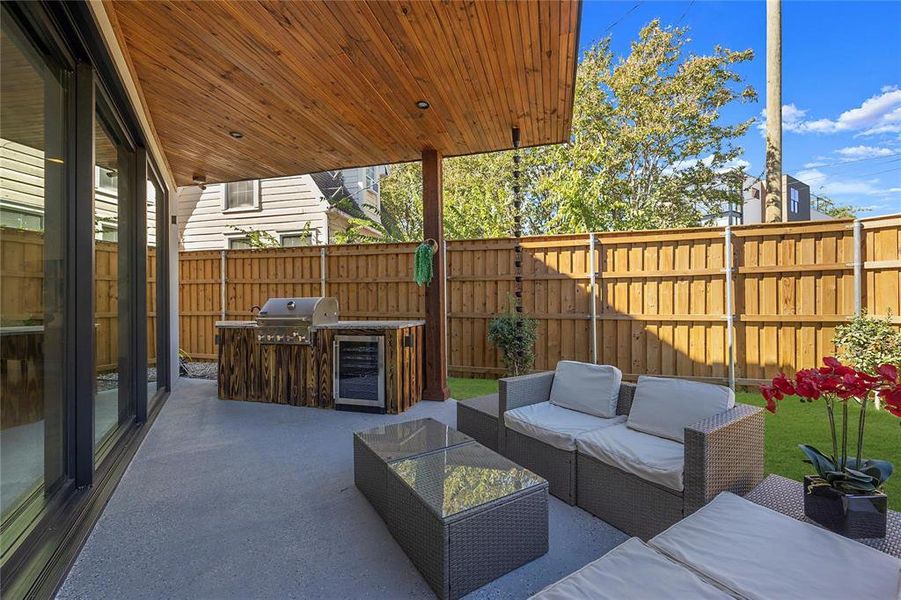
[{"x": 331, "y": 184}]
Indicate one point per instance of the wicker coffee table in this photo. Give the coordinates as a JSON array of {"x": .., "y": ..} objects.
[
  {"x": 376, "y": 447},
  {"x": 787, "y": 497},
  {"x": 464, "y": 514}
]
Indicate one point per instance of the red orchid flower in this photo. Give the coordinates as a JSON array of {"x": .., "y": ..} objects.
[
  {"x": 893, "y": 401},
  {"x": 888, "y": 372}
]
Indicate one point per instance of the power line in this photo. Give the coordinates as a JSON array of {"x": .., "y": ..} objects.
[
  {"x": 685, "y": 12},
  {"x": 855, "y": 160},
  {"x": 809, "y": 179},
  {"x": 626, "y": 14}
]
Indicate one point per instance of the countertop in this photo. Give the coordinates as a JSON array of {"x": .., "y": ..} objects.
[
  {"x": 339, "y": 325},
  {"x": 371, "y": 325}
]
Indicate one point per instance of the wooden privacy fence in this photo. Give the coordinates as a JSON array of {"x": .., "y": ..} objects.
[
  {"x": 22, "y": 292},
  {"x": 648, "y": 302}
]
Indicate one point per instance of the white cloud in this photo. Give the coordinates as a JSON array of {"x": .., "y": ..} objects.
[
  {"x": 729, "y": 165},
  {"x": 878, "y": 114},
  {"x": 843, "y": 185},
  {"x": 859, "y": 152}
]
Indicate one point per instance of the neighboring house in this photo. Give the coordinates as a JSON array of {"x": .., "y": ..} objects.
[
  {"x": 300, "y": 210},
  {"x": 796, "y": 204}
]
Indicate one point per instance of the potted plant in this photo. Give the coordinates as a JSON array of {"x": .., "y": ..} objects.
[
  {"x": 514, "y": 334},
  {"x": 846, "y": 493}
]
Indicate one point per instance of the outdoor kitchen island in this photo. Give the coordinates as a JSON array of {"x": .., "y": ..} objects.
[{"x": 355, "y": 365}]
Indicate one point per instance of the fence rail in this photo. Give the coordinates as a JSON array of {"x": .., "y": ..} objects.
[{"x": 660, "y": 297}]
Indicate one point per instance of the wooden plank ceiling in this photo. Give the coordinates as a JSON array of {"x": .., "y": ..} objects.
[{"x": 323, "y": 85}]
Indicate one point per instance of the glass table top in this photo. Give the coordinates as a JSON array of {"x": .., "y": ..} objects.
[
  {"x": 410, "y": 438},
  {"x": 457, "y": 479}
]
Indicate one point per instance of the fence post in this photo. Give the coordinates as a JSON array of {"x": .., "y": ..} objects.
[
  {"x": 322, "y": 272},
  {"x": 222, "y": 283},
  {"x": 593, "y": 297},
  {"x": 730, "y": 313},
  {"x": 858, "y": 267}
]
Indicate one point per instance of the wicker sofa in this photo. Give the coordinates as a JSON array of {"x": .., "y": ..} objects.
[{"x": 723, "y": 452}]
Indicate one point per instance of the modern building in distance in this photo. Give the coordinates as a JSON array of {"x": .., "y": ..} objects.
[{"x": 797, "y": 204}]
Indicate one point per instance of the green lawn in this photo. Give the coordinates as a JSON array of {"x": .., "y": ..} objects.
[{"x": 793, "y": 424}]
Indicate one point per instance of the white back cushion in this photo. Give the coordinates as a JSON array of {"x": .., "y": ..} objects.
[
  {"x": 587, "y": 388},
  {"x": 665, "y": 407}
]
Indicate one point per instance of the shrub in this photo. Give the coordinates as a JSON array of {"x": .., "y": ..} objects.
[
  {"x": 514, "y": 334},
  {"x": 865, "y": 343}
]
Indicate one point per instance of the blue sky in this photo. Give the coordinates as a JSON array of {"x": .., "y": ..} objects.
[{"x": 841, "y": 83}]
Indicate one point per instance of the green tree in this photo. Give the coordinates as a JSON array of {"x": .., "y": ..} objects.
[
  {"x": 828, "y": 206},
  {"x": 649, "y": 148}
]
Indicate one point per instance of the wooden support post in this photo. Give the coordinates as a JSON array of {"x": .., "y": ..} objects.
[{"x": 435, "y": 305}]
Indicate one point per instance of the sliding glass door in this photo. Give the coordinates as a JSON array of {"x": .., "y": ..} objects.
[
  {"x": 33, "y": 264},
  {"x": 114, "y": 189},
  {"x": 83, "y": 285}
]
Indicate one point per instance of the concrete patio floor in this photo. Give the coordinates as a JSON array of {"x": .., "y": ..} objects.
[{"x": 243, "y": 500}]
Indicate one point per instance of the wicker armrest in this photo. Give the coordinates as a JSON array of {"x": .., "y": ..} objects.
[
  {"x": 514, "y": 392},
  {"x": 723, "y": 453}
]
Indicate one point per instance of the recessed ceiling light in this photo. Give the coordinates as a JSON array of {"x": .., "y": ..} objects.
[
  {"x": 236, "y": 134},
  {"x": 422, "y": 104}
]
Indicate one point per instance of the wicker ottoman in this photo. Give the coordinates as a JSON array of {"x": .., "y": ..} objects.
[
  {"x": 466, "y": 515},
  {"x": 375, "y": 448},
  {"x": 477, "y": 417}
]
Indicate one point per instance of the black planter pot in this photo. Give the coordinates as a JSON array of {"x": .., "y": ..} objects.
[{"x": 850, "y": 515}]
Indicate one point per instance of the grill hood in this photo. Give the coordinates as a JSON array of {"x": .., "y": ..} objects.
[
  {"x": 315, "y": 311},
  {"x": 288, "y": 320}
]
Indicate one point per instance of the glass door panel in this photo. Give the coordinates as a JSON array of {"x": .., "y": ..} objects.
[
  {"x": 114, "y": 404},
  {"x": 32, "y": 281},
  {"x": 152, "y": 379}
]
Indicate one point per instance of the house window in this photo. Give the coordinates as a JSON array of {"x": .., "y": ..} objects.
[
  {"x": 303, "y": 238},
  {"x": 795, "y": 200},
  {"x": 21, "y": 219},
  {"x": 106, "y": 230},
  {"x": 239, "y": 243},
  {"x": 107, "y": 180},
  {"x": 242, "y": 195},
  {"x": 755, "y": 193},
  {"x": 372, "y": 179}
]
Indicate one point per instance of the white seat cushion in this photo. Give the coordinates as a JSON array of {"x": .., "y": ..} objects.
[
  {"x": 631, "y": 570},
  {"x": 759, "y": 553},
  {"x": 646, "y": 456},
  {"x": 665, "y": 407},
  {"x": 587, "y": 388},
  {"x": 555, "y": 425}
]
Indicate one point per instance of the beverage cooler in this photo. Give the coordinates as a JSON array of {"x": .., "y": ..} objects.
[{"x": 359, "y": 373}]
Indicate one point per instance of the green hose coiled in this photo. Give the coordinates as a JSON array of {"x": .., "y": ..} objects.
[{"x": 422, "y": 265}]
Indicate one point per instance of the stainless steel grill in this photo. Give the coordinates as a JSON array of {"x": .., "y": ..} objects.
[{"x": 288, "y": 320}]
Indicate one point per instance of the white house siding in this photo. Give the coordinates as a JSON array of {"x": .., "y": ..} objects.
[
  {"x": 22, "y": 185},
  {"x": 21, "y": 176},
  {"x": 286, "y": 205}
]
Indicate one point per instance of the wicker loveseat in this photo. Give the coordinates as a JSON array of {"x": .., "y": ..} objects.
[{"x": 638, "y": 482}]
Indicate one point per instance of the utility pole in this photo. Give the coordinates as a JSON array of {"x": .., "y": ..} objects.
[{"x": 774, "y": 111}]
